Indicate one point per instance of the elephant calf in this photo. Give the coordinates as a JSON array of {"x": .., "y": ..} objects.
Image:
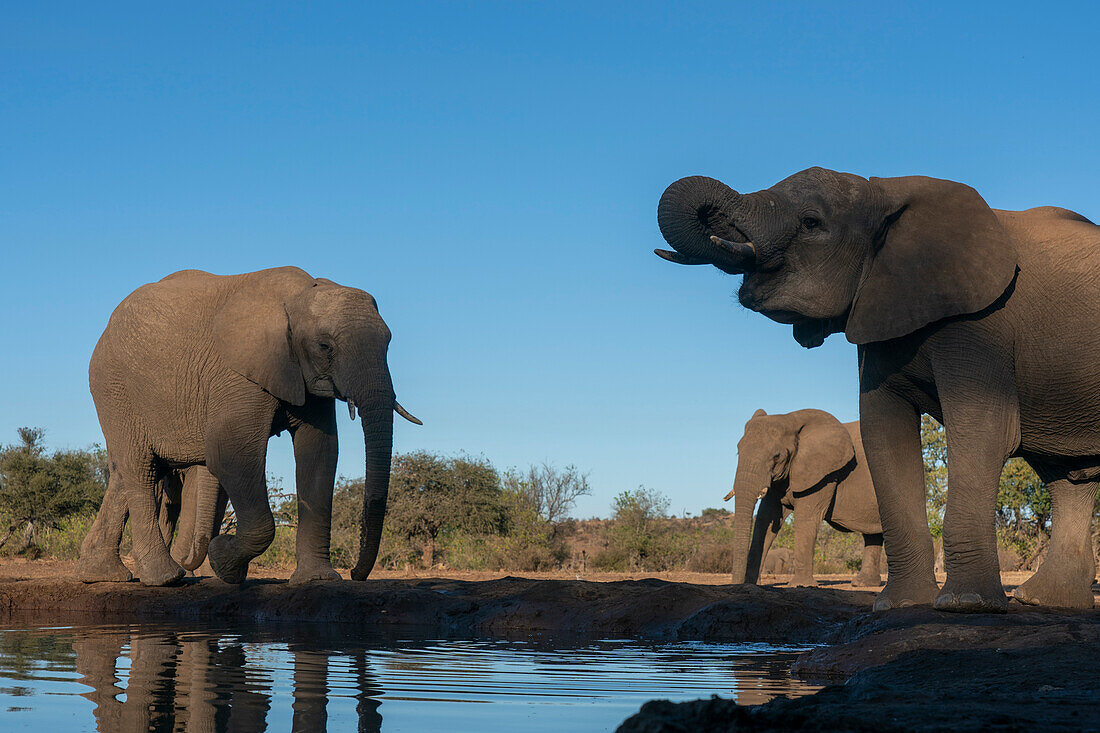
[
  {"x": 810, "y": 463},
  {"x": 199, "y": 370}
]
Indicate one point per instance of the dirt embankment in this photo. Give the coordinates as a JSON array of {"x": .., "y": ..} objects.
[{"x": 909, "y": 669}]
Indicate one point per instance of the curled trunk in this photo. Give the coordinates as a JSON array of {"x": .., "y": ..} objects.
[
  {"x": 696, "y": 217},
  {"x": 377, "y": 423}
]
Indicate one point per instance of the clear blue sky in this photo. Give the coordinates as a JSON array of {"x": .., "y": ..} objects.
[{"x": 490, "y": 172}]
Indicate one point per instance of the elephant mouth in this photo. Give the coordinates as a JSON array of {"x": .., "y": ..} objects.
[{"x": 782, "y": 316}]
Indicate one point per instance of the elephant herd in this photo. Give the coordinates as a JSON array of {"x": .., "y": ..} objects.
[{"x": 987, "y": 320}]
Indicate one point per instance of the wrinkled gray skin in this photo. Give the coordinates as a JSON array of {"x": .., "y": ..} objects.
[
  {"x": 810, "y": 463},
  {"x": 190, "y": 513},
  {"x": 987, "y": 320},
  {"x": 200, "y": 370}
]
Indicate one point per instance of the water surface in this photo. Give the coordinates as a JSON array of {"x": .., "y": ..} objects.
[{"x": 171, "y": 678}]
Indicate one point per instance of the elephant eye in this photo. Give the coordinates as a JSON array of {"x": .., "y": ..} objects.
[
  {"x": 325, "y": 346},
  {"x": 811, "y": 222}
]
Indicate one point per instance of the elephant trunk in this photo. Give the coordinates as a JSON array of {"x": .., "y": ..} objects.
[
  {"x": 377, "y": 420},
  {"x": 696, "y": 217},
  {"x": 207, "y": 522},
  {"x": 746, "y": 489}
]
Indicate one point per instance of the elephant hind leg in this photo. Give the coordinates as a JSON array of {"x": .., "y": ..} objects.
[
  {"x": 154, "y": 566},
  {"x": 870, "y": 575},
  {"x": 99, "y": 556},
  {"x": 1065, "y": 577}
]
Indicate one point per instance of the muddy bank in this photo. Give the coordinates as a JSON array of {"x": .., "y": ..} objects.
[
  {"x": 646, "y": 609},
  {"x": 920, "y": 669},
  {"x": 910, "y": 669},
  {"x": 1024, "y": 689}
]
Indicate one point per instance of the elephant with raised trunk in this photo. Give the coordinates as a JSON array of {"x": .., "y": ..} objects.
[
  {"x": 200, "y": 370},
  {"x": 987, "y": 320},
  {"x": 809, "y": 463}
]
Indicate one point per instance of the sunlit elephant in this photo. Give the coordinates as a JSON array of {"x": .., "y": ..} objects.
[
  {"x": 201, "y": 369},
  {"x": 987, "y": 320},
  {"x": 809, "y": 463}
]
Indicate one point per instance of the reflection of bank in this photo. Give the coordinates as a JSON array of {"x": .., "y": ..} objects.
[
  {"x": 760, "y": 682},
  {"x": 191, "y": 682}
]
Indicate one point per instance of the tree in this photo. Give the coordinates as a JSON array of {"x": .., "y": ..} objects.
[
  {"x": 1023, "y": 502},
  {"x": 933, "y": 444},
  {"x": 637, "y": 515},
  {"x": 432, "y": 495},
  {"x": 551, "y": 492},
  {"x": 39, "y": 490}
]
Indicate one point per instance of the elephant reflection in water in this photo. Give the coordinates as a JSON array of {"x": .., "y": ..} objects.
[{"x": 188, "y": 682}]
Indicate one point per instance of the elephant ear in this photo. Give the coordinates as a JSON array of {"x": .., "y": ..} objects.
[
  {"x": 942, "y": 252},
  {"x": 252, "y": 335},
  {"x": 824, "y": 447}
]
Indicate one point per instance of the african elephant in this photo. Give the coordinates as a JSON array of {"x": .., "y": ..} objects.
[
  {"x": 810, "y": 463},
  {"x": 200, "y": 370},
  {"x": 985, "y": 319}
]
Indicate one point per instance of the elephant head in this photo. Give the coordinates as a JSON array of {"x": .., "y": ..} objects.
[
  {"x": 326, "y": 340},
  {"x": 830, "y": 252},
  {"x": 781, "y": 455}
]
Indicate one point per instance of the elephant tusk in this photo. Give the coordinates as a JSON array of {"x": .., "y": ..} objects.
[
  {"x": 351, "y": 409},
  {"x": 737, "y": 250},
  {"x": 729, "y": 495},
  {"x": 405, "y": 414},
  {"x": 680, "y": 259}
]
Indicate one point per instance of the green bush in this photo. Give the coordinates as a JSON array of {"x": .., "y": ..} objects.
[
  {"x": 62, "y": 542},
  {"x": 280, "y": 553}
]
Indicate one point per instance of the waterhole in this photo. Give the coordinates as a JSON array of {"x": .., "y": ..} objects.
[{"x": 318, "y": 678}]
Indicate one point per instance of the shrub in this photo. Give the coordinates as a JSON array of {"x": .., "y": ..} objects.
[{"x": 38, "y": 491}]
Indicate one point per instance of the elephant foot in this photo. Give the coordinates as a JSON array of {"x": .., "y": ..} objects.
[
  {"x": 313, "y": 571},
  {"x": 973, "y": 595},
  {"x": 225, "y": 560},
  {"x": 870, "y": 580},
  {"x": 159, "y": 571},
  {"x": 1063, "y": 591},
  {"x": 802, "y": 581},
  {"x": 902, "y": 594},
  {"x": 102, "y": 568}
]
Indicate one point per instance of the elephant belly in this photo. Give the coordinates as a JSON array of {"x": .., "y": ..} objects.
[{"x": 1057, "y": 349}]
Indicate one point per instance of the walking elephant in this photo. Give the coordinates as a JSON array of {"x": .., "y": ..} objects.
[
  {"x": 987, "y": 320},
  {"x": 200, "y": 370},
  {"x": 809, "y": 463}
]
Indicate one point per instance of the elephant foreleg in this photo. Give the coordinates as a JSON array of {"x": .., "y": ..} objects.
[
  {"x": 980, "y": 421},
  {"x": 890, "y": 427},
  {"x": 807, "y": 521},
  {"x": 238, "y": 463},
  {"x": 1065, "y": 577},
  {"x": 315, "y": 453},
  {"x": 870, "y": 574},
  {"x": 769, "y": 520}
]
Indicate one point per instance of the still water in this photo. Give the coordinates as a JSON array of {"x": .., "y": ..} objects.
[{"x": 172, "y": 678}]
